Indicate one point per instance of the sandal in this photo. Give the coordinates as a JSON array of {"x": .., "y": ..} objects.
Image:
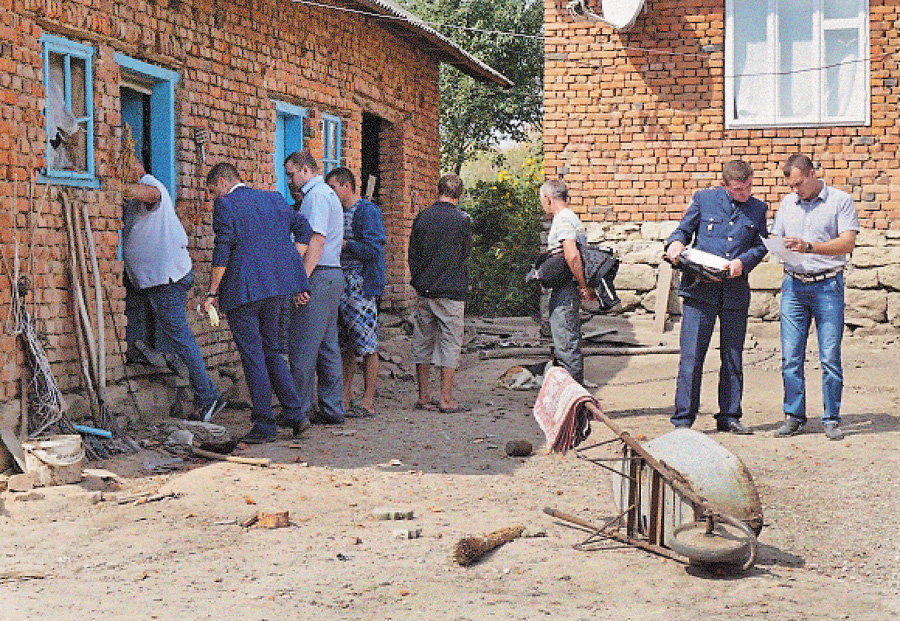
[
  {"x": 358, "y": 411},
  {"x": 459, "y": 407}
]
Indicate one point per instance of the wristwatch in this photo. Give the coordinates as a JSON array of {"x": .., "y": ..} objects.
[{"x": 808, "y": 247}]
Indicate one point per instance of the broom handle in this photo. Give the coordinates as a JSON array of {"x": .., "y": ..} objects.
[{"x": 98, "y": 295}]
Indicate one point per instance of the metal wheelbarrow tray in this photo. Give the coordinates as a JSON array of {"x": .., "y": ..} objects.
[{"x": 679, "y": 495}]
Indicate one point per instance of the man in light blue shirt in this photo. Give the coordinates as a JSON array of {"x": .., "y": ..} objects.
[
  {"x": 313, "y": 347},
  {"x": 158, "y": 264},
  {"x": 822, "y": 223}
]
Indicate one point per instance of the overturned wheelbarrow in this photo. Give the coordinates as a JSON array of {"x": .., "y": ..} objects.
[{"x": 680, "y": 495}]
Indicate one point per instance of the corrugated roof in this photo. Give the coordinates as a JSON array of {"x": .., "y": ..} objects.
[{"x": 406, "y": 25}]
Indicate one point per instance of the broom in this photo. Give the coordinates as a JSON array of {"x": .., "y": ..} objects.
[{"x": 470, "y": 549}]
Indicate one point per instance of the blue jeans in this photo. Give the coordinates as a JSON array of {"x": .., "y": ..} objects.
[
  {"x": 697, "y": 322},
  {"x": 565, "y": 329},
  {"x": 255, "y": 327},
  {"x": 313, "y": 348},
  {"x": 140, "y": 324},
  {"x": 169, "y": 304},
  {"x": 800, "y": 304}
]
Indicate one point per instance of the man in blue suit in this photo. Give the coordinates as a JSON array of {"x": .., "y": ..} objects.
[
  {"x": 254, "y": 266},
  {"x": 725, "y": 221}
]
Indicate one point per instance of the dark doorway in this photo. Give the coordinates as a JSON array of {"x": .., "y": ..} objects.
[{"x": 372, "y": 127}]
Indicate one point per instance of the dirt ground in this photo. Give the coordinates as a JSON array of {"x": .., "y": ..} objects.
[{"x": 829, "y": 548}]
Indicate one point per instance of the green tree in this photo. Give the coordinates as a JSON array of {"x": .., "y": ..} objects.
[
  {"x": 474, "y": 115},
  {"x": 506, "y": 227}
]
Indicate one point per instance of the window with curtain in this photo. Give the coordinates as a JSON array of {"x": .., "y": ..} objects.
[
  {"x": 69, "y": 112},
  {"x": 796, "y": 62},
  {"x": 331, "y": 138}
]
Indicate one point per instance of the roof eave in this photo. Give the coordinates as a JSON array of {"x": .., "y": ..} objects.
[{"x": 403, "y": 23}]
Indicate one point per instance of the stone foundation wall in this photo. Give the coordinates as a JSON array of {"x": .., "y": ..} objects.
[{"x": 872, "y": 277}]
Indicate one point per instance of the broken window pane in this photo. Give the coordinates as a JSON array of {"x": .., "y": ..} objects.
[{"x": 68, "y": 109}]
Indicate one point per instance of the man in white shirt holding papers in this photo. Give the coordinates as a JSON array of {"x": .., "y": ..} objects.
[{"x": 820, "y": 223}]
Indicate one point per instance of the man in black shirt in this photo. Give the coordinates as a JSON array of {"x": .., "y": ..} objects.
[{"x": 439, "y": 244}]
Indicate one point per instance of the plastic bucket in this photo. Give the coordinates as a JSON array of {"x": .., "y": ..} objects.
[{"x": 54, "y": 460}]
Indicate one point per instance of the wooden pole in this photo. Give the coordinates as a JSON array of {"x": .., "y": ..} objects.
[
  {"x": 544, "y": 352},
  {"x": 98, "y": 298},
  {"x": 663, "y": 288}
]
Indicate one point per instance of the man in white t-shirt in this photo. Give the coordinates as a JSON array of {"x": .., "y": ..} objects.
[
  {"x": 154, "y": 246},
  {"x": 566, "y": 232}
]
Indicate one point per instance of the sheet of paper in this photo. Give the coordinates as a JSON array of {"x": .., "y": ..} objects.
[
  {"x": 775, "y": 245},
  {"x": 706, "y": 259}
]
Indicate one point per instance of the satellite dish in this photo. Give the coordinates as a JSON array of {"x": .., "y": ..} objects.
[{"x": 621, "y": 14}]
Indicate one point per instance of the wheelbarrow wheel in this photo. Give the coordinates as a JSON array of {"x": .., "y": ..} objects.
[{"x": 729, "y": 542}]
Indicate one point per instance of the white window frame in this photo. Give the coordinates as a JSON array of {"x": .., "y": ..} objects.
[{"x": 819, "y": 116}]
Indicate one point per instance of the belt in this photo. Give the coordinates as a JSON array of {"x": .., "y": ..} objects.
[{"x": 818, "y": 276}]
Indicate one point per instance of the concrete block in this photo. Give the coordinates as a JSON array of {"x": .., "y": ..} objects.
[
  {"x": 392, "y": 513},
  {"x": 766, "y": 276},
  {"x": 658, "y": 231},
  {"x": 630, "y": 300},
  {"x": 637, "y": 251},
  {"x": 636, "y": 276},
  {"x": 870, "y": 237},
  {"x": 869, "y": 304},
  {"x": 763, "y": 305},
  {"x": 875, "y": 256},
  {"x": 893, "y": 309},
  {"x": 889, "y": 277},
  {"x": 21, "y": 482},
  {"x": 861, "y": 278}
]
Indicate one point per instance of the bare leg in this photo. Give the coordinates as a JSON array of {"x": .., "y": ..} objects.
[
  {"x": 447, "y": 401},
  {"x": 423, "y": 374},
  {"x": 371, "y": 376},
  {"x": 349, "y": 363}
]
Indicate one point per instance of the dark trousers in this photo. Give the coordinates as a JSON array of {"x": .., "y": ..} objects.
[
  {"x": 697, "y": 322},
  {"x": 255, "y": 327}
]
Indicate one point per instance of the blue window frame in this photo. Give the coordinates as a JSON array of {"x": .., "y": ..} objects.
[
  {"x": 147, "y": 105},
  {"x": 68, "y": 112},
  {"x": 331, "y": 142},
  {"x": 161, "y": 123},
  {"x": 288, "y": 138}
]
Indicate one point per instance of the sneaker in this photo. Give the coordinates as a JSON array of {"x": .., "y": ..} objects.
[
  {"x": 791, "y": 427},
  {"x": 214, "y": 408},
  {"x": 732, "y": 425},
  {"x": 152, "y": 356},
  {"x": 297, "y": 426},
  {"x": 177, "y": 365},
  {"x": 255, "y": 436},
  {"x": 318, "y": 418},
  {"x": 832, "y": 431}
]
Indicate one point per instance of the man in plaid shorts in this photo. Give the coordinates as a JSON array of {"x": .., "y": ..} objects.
[{"x": 362, "y": 258}]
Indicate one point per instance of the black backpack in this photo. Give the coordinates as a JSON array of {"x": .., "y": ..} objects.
[{"x": 600, "y": 268}]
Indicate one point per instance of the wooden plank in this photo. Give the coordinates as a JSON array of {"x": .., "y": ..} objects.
[{"x": 663, "y": 287}]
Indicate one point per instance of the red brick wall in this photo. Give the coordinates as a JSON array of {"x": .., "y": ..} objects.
[
  {"x": 233, "y": 60},
  {"x": 634, "y": 133}
]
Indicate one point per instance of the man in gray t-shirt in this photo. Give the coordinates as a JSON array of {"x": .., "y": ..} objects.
[
  {"x": 566, "y": 232},
  {"x": 822, "y": 223}
]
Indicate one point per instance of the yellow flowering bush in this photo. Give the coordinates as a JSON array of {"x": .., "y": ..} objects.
[{"x": 506, "y": 229}]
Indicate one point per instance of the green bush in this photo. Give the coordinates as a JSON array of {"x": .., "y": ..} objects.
[{"x": 506, "y": 229}]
